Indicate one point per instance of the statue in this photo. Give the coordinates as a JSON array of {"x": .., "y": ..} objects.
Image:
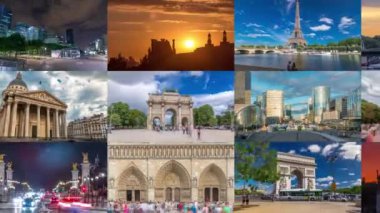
[
  {"x": 75, "y": 167},
  {"x": 9, "y": 165},
  {"x": 231, "y": 182},
  {"x": 2, "y": 157},
  {"x": 150, "y": 180},
  {"x": 85, "y": 157}
]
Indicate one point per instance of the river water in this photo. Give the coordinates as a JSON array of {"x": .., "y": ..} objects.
[{"x": 303, "y": 62}]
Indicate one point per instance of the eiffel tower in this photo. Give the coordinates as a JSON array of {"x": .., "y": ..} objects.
[{"x": 297, "y": 39}]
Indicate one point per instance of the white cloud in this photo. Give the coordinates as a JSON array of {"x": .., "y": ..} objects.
[
  {"x": 326, "y": 20},
  {"x": 328, "y": 149},
  {"x": 314, "y": 148},
  {"x": 345, "y": 23},
  {"x": 325, "y": 179},
  {"x": 196, "y": 73},
  {"x": 351, "y": 174},
  {"x": 311, "y": 35},
  {"x": 254, "y": 35},
  {"x": 350, "y": 151},
  {"x": 253, "y": 25},
  {"x": 290, "y": 4},
  {"x": 292, "y": 151},
  {"x": 303, "y": 150},
  {"x": 275, "y": 27},
  {"x": 219, "y": 101},
  {"x": 357, "y": 182},
  {"x": 322, "y": 27}
]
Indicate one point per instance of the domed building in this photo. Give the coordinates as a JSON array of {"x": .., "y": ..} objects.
[{"x": 31, "y": 114}]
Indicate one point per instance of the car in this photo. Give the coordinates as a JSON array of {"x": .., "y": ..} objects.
[{"x": 28, "y": 203}]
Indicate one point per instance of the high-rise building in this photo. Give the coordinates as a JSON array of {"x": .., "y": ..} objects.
[
  {"x": 32, "y": 33},
  {"x": 321, "y": 101},
  {"x": 5, "y": 20},
  {"x": 354, "y": 104},
  {"x": 341, "y": 106},
  {"x": 242, "y": 89},
  {"x": 288, "y": 112},
  {"x": 70, "y": 36},
  {"x": 22, "y": 29},
  {"x": 273, "y": 104}
]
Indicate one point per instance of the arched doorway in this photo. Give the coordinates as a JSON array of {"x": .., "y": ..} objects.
[
  {"x": 156, "y": 123},
  {"x": 132, "y": 185},
  {"x": 213, "y": 184},
  {"x": 172, "y": 183},
  {"x": 296, "y": 179},
  {"x": 185, "y": 122},
  {"x": 170, "y": 119}
]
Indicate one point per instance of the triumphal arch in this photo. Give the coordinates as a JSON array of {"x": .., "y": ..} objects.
[
  {"x": 297, "y": 167},
  {"x": 169, "y": 110}
]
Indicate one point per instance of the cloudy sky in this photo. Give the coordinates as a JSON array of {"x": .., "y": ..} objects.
[
  {"x": 133, "y": 23},
  {"x": 88, "y": 18},
  {"x": 346, "y": 169},
  {"x": 271, "y": 22},
  {"x": 298, "y": 86},
  {"x": 371, "y": 87},
  {"x": 370, "y": 17},
  {"x": 85, "y": 93},
  {"x": 214, "y": 88}
]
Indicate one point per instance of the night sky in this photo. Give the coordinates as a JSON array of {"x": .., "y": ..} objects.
[
  {"x": 88, "y": 18},
  {"x": 43, "y": 165}
]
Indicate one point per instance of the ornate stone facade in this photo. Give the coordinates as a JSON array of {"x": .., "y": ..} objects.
[
  {"x": 181, "y": 107},
  {"x": 31, "y": 114},
  {"x": 88, "y": 128},
  {"x": 194, "y": 172},
  {"x": 295, "y": 165}
]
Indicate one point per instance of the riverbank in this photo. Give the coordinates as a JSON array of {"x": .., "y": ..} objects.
[{"x": 239, "y": 67}]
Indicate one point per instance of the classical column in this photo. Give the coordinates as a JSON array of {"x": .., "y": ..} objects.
[
  {"x": 191, "y": 122},
  {"x": 64, "y": 125},
  {"x": 56, "y": 123},
  {"x": 38, "y": 120},
  {"x": 179, "y": 116},
  {"x": 163, "y": 114},
  {"x": 48, "y": 122},
  {"x": 14, "y": 117},
  {"x": 7, "y": 119},
  {"x": 27, "y": 111}
]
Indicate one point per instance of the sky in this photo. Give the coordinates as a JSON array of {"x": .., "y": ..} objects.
[
  {"x": 214, "y": 88},
  {"x": 133, "y": 23},
  {"x": 346, "y": 170},
  {"x": 88, "y": 18},
  {"x": 43, "y": 165},
  {"x": 298, "y": 86},
  {"x": 371, "y": 87},
  {"x": 271, "y": 22},
  {"x": 85, "y": 93},
  {"x": 370, "y": 161},
  {"x": 370, "y": 17}
]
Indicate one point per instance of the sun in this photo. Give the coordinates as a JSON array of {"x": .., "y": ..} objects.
[{"x": 189, "y": 44}]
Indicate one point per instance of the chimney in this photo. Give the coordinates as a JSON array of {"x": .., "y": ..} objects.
[{"x": 174, "y": 46}]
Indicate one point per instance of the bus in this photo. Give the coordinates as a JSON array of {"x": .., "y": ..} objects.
[{"x": 300, "y": 194}]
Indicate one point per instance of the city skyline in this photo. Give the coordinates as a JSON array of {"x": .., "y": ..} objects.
[
  {"x": 322, "y": 22},
  {"x": 88, "y": 25},
  {"x": 370, "y": 17},
  {"x": 345, "y": 170},
  {"x": 132, "y": 24},
  {"x": 203, "y": 87},
  {"x": 82, "y": 92},
  {"x": 44, "y": 165},
  {"x": 296, "y": 91}
]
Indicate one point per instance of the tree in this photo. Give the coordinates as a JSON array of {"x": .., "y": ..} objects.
[
  {"x": 115, "y": 120},
  {"x": 121, "y": 109},
  {"x": 16, "y": 43},
  {"x": 204, "y": 116},
  {"x": 136, "y": 118},
  {"x": 255, "y": 161}
]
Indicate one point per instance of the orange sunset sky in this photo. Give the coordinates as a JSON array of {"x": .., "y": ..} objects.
[
  {"x": 133, "y": 23},
  {"x": 370, "y": 161},
  {"x": 370, "y": 17}
]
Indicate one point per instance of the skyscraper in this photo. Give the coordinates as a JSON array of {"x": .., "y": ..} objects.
[
  {"x": 242, "y": 89},
  {"x": 273, "y": 101},
  {"x": 5, "y": 20},
  {"x": 70, "y": 36},
  {"x": 321, "y": 101},
  {"x": 297, "y": 39}
]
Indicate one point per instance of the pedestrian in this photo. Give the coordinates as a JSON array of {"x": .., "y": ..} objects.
[
  {"x": 199, "y": 132},
  {"x": 294, "y": 68},
  {"x": 289, "y": 67}
]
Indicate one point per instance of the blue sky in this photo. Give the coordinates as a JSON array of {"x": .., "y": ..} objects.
[
  {"x": 270, "y": 22},
  {"x": 297, "y": 86},
  {"x": 346, "y": 170},
  {"x": 214, "y": 88},
  {"x": 84, "y": 92}
]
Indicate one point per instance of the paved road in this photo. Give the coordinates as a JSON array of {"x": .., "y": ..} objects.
[
  {"x": 81, "y": 64},
  {"x": 294, "y": 136},
  {"x": 301, "y": 207},
  {"x": 169, "y": 137}
]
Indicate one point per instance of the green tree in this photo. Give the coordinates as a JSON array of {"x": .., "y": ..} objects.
[
  {"x": 137, "y": 118},
  {"x": 16, "y": 43},
  {"x": 115, "y": 119},
  {"x": 204, "y": 116},
  {"x": 121, "y": 109}
]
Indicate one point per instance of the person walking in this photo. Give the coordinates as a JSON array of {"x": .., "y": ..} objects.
[
  {"x": 294, "y": 68},
  {"x": 289, "y": 67}
]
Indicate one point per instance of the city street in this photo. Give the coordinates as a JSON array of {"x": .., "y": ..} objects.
[
  {"x": 294, "y": 136},
  {"x": 12, "y": 208},
  {"x": 167, "y": 137},
  {"x": 83, "y": 64},
  {"x": 300, "y": 207}
]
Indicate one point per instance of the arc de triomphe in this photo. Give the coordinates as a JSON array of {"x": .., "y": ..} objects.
[
  {"x": 180, "y": 106},
  {"x": 302, "y": 167}
]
